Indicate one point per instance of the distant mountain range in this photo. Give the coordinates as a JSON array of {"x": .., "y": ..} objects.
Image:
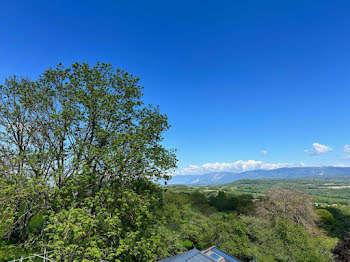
[{"x": 280, "y": 173}]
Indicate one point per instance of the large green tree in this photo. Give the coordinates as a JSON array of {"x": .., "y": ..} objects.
[{"x": 80, "y": 145}]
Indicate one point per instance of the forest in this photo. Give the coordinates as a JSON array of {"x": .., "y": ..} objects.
[{"x": 80, "y": 153}]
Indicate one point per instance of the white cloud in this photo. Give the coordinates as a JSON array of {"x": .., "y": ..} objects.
[
  {"x": 264, "y": 152},
  {"x": 236, "y": 167},
  {"x": 318, "y": 149},
  {"x": 346, "y": 149}
]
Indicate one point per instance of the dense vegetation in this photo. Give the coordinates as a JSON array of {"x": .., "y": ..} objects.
[
  {"x": 79, "y": 157},
  {"x": 78, "y": 151},
  {"x": 323, "y": 192},
  {"x": 283, "y": 226}
]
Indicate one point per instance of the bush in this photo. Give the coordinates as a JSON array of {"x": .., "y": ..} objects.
[
  {"x": 187, "y": 244},
  {"x": 325, "y": 216}
]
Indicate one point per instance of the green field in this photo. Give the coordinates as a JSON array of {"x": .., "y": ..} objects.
[{"x": 323, "y": 192}]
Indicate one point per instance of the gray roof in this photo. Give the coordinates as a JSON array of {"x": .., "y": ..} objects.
[{"x": 194, "y": 255}]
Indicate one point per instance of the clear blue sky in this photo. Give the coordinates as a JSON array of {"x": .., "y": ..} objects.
[{"x": 234, "y": 77}]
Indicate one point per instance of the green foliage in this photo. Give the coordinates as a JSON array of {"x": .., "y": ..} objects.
[
  {"x": 168, "y": 243},
  {"x": 228, "y": 233},
  {"x": 121, "y": 228},
  {"x": 36, "y": 224},
  {"x": 177, "y": 209},
  {"x": 187, "y": 244},
  {"x": 285, "y": 241},
  {"x": 325, "y": 216},
  {"x": 341, "y": 225},
  {"x": 79, "y": 145},
  {"x": 300, "y": 245},
  {"x": 10, "y": 251},
  {"x": 230, "y": 202},
  {"x": 246, "y": 237},
  {"x": 7, "y": 207}
]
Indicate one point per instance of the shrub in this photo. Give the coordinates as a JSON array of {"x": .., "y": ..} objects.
[
  {"x": 187, "y": 244},
  {"x": 325, "y": 216}
]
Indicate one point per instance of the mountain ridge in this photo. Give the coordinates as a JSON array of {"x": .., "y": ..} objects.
[{"x": 216, "y": 178}]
